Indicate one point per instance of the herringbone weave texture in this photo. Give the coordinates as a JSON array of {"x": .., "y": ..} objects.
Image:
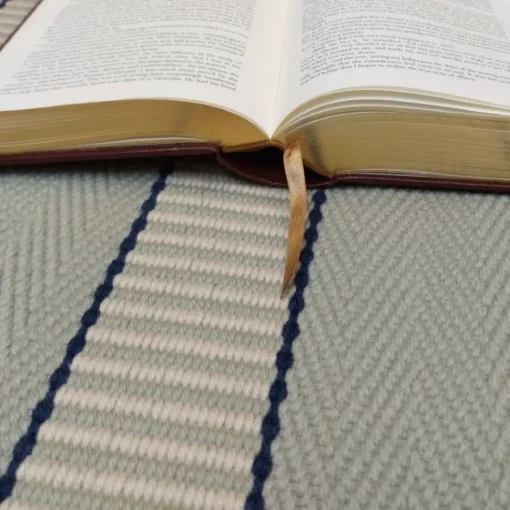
[
  {"x": 399, "y": 394},
  {"x": 59, "y": 230}
]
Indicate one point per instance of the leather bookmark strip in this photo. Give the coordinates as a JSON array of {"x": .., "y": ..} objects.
[{"x": 295, "y": 173}]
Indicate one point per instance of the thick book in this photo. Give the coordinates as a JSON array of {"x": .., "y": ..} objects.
[{"x": 409, "y": 92}]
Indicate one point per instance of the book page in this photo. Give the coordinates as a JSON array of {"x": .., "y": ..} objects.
[
  {"x": 445, "y": 47},
  {"x": 221, "y": 52}
]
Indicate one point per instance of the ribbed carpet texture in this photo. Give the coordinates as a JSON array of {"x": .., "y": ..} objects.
[
  {"x": 147, "y": 360},
  {"x": 382, "y": 383},
  {"x": 12, "y": 14}
]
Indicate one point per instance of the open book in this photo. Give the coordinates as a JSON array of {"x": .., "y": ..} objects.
[{"x": 410, "y": 91}]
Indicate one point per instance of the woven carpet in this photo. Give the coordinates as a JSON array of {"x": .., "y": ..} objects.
[
  {"x": 12, "y": 13},
  {"x": 147, "y": 361}
]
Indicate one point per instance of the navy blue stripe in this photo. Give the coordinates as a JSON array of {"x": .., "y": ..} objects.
[
  {"x": 263, "y": 463},
  {"x": 3, "y": 3},
  {"x": 60, "y": 376}
]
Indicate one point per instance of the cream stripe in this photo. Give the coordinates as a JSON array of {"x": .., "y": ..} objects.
[
  {"x": 17, "y": 8},
  {"x": 117, "y": 484},
  {"x": 210, "y": 292},
  {"x": 6, "y": 29},
  {"x": 21, "y": 5},
  {"x": 225, "y": 204},
  {"x": 208, "y": 350},
  {"x": 10, "y": 18},
  {"x": 159, "y": 411},
  {"x": 16, "y": 11},
  {"x": 181, "y": 181},
  {"x": 217, "y": 224},
  {"x": 141, "y": 372},
  {"x": 216, "y": 244},
  {"x": 261, "y": 325},
  {"x": 14, "y": 505},
  {"x": 153, "y": 449},
  {"x": 12, "y": 15}
]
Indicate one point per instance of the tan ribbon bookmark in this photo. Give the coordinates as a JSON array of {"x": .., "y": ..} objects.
[{"x": 295, "y": 173}]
